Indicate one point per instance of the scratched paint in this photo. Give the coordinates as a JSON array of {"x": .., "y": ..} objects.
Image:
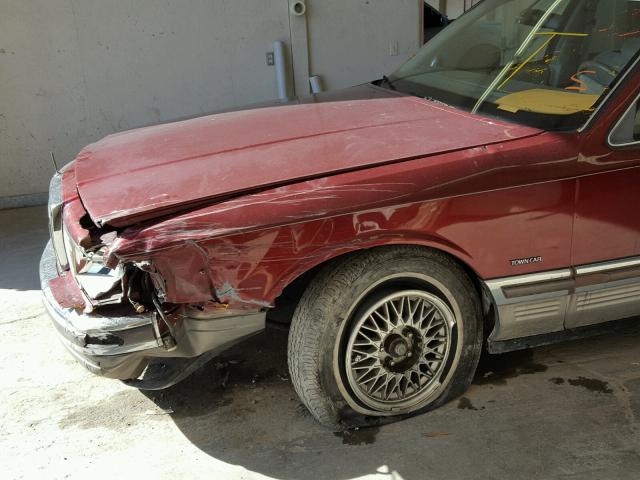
[{"x": 256, "y": 244}]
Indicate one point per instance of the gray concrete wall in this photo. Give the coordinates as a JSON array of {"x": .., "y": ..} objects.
[
  {"x": 373, "y": 37},
  {"x": 73, "y": 71}
]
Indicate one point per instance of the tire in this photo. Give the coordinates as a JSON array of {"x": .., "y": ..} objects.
[{"x": 331, "y": 340}]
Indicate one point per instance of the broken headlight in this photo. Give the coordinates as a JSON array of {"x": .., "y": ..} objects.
[{"x": 101, "y": 285}]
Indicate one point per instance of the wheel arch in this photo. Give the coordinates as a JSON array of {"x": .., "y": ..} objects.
[{"x": 295, "y": 282}]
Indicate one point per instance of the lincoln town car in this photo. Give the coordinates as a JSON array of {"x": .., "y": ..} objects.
[{"x": 482, "y": 197}]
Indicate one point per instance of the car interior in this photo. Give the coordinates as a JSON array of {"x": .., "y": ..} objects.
[{"x": 548, "y": 57}]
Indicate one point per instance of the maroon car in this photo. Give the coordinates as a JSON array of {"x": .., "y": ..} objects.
[{"x": 484, "y": 195}]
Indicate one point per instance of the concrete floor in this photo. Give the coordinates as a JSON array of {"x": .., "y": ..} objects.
[{"x": 567, "y": 411}]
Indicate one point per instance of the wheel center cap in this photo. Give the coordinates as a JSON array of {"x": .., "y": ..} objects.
[{"x": 399, "y": 349}]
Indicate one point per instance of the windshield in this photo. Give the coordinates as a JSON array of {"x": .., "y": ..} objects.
[{"x": 544, "y": 63}]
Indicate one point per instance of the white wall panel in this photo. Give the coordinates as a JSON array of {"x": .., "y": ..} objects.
[{"x": 73, "y": 71}]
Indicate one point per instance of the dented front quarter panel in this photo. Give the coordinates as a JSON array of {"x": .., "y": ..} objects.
[{"x": 484, "y": 205}]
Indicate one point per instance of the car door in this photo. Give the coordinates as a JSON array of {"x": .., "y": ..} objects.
[{"x": 606, "y": 244}]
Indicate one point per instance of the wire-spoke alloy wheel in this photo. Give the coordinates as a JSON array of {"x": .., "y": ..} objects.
[
  {"x": 398, "y": 348},
  {"x": 384, "y": 334}
]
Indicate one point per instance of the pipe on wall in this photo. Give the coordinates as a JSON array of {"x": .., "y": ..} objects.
[{"x": 280, "y": 62}]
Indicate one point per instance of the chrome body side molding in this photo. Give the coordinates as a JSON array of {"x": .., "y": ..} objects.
[{"x": 541, "y": 303}]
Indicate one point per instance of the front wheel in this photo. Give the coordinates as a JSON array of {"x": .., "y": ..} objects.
[{"x": 384, "y": 334}]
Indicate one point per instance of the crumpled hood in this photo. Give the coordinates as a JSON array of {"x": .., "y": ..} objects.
[{"x": 152, "y": 171}]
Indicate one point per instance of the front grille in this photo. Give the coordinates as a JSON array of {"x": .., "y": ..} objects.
[
  {"x": 100, "y": 284},
  {"x": 55, "y": 220}
]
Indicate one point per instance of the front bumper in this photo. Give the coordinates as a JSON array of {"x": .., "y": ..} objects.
[{"x": 130, "y": 348}]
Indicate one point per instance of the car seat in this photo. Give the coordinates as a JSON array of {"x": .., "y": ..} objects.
[{"x": 597, "y": 74}]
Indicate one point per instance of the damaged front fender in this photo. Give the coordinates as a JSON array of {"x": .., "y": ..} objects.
[{"x": 244, "y": 251}]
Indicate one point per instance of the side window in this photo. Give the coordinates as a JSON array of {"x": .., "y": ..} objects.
[{"x": 626, "y": 132}]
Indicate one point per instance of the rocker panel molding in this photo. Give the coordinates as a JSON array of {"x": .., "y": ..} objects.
[{"x": 547, "y": 302}]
